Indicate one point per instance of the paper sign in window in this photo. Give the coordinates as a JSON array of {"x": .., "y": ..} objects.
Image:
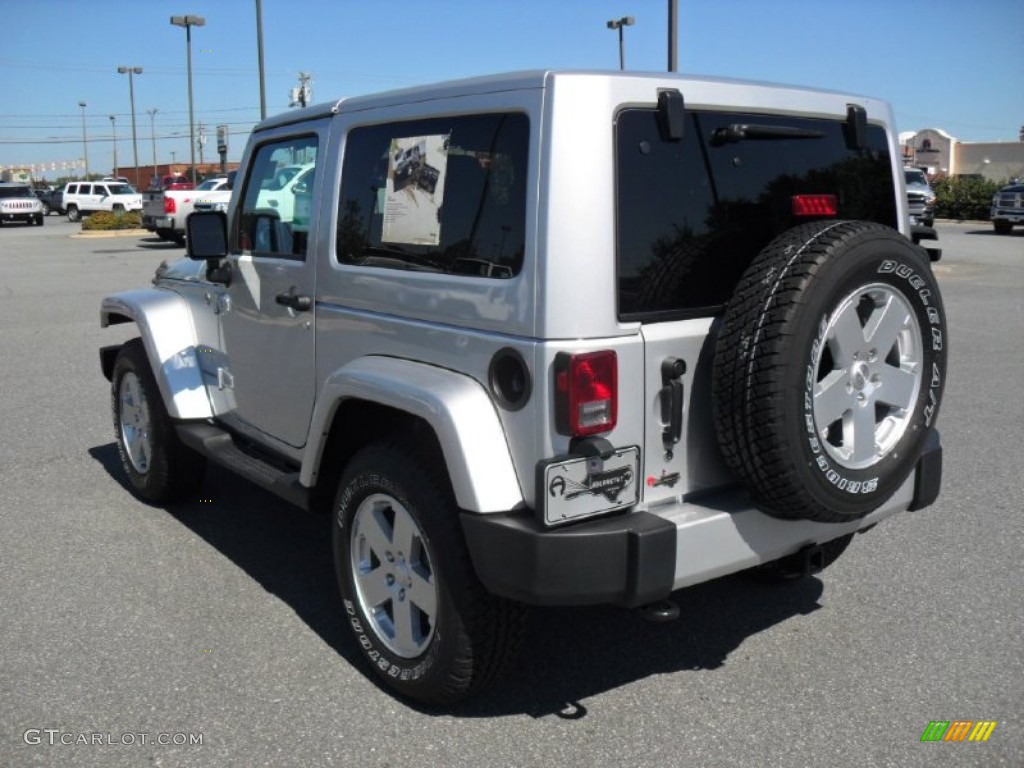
[{"x": 415, "y": 189}]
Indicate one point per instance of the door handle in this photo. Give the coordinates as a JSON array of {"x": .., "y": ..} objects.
[
  {"x": 672, "y": 370},
  {"x": 295, "y": 301}
]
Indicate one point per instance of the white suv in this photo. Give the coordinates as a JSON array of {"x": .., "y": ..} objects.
[
  {"x": 19, "y": 203},
  {"x": 84, "y": 197}
]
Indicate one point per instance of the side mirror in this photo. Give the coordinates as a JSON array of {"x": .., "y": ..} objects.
[{"x": 207, "y": 235}]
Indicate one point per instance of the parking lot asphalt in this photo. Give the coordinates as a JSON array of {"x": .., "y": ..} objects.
[{"x": 124, "y": 625}]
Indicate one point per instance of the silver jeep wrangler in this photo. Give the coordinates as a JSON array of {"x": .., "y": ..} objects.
[{"x": 551, "y": 338}]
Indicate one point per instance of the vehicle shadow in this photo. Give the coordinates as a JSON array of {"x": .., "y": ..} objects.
[
  {"x": 1015, "y": 232},
  {"x": 157, "y": 244},
  {"x": 569, "y": 654}
]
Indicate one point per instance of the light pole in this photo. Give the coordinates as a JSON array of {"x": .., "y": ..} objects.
[
  {"x": 174, "y": 160},
  {"x": 113, "y": 127},
  {"x": 259, "y": 51},
  {"x": 85, "y": 141},
  {"x": 131, "y": 93},
  {"x": 625, "y": 21},
  {"x": 188, "y": 22},
  {"x": 152, "y": 136},
  {"x": 673, "y": 35}
]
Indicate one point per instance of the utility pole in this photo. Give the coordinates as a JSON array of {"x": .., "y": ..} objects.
[
  {"x": 201, "y": 142},
  {"x": 152, "y": 137},
  {"x": 302, "y": 95}
]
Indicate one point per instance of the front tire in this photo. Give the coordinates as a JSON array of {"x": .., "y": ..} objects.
[
  {"x": 1002, "y": 227},
  {"x": 829, "y": 370},
  {"x": 159, "y": 467},
  {"x": 421, "y": 617}
]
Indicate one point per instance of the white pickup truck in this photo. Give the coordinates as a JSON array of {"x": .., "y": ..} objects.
[{"x": 164, "y": 210}]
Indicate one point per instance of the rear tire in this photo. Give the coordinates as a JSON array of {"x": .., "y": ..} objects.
[
  {"x": 1002, "y": 227},
  {"x": 73, "y": 214},
  {"x": 425, "y": 624},
  {"x": 829, "y": 370},
  {"x": 159, "y": 467}
]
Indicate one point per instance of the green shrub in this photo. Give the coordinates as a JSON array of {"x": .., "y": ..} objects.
[
  {"x": 964, "y": 198},
  {"x": 104, "y": 220}
]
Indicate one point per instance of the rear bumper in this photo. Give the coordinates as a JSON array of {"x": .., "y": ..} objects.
[{"x": 641, "y": 557}]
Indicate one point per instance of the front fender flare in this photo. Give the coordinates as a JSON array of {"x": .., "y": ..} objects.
[
  {"x": 168, "y": 334},
  {"x": 455, "y": 406}
]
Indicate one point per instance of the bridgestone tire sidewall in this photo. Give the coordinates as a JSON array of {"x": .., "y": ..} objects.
[
  {"x": 424, "y": 677},
  {"x": 822, "y": 488}
]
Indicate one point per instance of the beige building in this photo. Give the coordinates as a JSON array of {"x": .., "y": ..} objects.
[{"x": 940, "y": 154}]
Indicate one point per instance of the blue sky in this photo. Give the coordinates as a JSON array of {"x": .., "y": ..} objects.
[{"x": 952, "y": 64}]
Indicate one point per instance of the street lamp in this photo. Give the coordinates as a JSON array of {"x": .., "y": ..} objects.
[
  {"x": 152, "y": 135},
  {"x": 113, "y": 127},
  {"x": 625, "y": 21},
  {"x": 85, "y": 141},
  {"x": 188, "y": 22},
  {"x": 131, "y": 93}
]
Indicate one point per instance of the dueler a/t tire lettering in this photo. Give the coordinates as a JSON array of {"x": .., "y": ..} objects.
[{"x": 829, "y": 369}]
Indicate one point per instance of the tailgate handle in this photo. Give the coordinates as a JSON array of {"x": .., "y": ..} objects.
[{"x": 672, "y": 370}]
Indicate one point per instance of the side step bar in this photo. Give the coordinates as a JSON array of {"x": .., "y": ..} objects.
[{"x": 219, "y": 446}]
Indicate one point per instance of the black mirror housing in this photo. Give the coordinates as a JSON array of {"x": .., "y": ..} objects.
[{"x": 207, "y": 235}]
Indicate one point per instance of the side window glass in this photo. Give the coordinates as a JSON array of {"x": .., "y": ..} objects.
[
  {"x": 439, "y": 195},
  {"x": 274, "y": 216}
]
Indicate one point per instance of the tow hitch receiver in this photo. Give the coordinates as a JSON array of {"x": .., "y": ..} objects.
[{"x": 810, "y": 560}]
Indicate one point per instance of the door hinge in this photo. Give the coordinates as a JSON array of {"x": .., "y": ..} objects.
[{"x": 224, "y": 379}]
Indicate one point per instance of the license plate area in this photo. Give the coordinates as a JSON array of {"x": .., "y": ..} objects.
[{"x": 574, "y": 488}]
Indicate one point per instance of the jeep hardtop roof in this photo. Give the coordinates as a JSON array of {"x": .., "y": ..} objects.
[{"x": 800, "y": 99}]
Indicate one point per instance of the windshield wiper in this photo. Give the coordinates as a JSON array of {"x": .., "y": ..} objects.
[{"x": 736, "y": 132}]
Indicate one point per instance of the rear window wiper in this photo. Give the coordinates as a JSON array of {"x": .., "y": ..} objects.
[{"x": 736, "y": 132}]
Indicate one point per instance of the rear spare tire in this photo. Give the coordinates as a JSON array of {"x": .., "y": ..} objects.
[{"x": 829, "y": 369}]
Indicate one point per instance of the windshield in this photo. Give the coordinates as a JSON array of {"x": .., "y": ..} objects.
[
  {"x": 915, "y": 177},
  {"x": 15, "y": 192}
]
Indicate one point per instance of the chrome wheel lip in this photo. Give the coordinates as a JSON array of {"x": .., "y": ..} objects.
[
  {"x": 393, "y": 576},
  {"x": 864, "y": 403},
  {"x": 134, "y": 424}
]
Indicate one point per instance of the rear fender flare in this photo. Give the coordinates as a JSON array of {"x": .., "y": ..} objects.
[{"x": 456, "y": 407}]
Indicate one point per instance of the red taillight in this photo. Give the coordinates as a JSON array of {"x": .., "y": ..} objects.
[
  {"x": 586, "y": 392},
  {"x": 169, "y": 205},
  {"x": 815, "y": 205}
]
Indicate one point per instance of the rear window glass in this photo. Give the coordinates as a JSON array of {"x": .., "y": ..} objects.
[
  {"x": 440, "y": 195},
  {"x": 693, "y": 214}
]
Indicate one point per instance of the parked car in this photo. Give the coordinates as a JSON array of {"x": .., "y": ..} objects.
[
  {"x": 19, "y": 203},
  {"x": 920, "y": 197},
  {"x": 549, "y": 338},
  {"x": 1007, "y": 209},
  {"x": 52, "y": 200},
  {"x": 84, "y": 197}
]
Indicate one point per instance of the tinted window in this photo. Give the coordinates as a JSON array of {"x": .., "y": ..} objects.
[
  {"x": 441, "y": 195},
  {"x": 273, "y": 219},
  {"x": 693, "y": 214},
  {"x": 119, "y": 189},
  {"x": 15, "y": 192}
]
